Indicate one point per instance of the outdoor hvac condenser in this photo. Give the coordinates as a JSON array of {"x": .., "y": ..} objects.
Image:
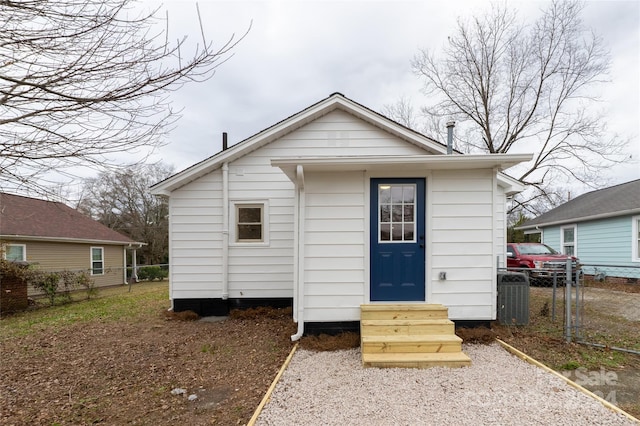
[{"x": 513, "y": 298}]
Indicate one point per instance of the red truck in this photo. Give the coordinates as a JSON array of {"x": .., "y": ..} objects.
[{"x": 540, "y": 261}]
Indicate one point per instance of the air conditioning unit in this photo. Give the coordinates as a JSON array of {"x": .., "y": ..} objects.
[{"x": 513, "y": 298}]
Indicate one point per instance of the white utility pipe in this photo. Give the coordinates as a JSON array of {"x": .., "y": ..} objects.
[{"x": 225, "y": 231}]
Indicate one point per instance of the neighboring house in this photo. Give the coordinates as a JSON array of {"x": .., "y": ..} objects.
[
  {"x": 601, "y": 227},
  {"x": 335, "y": 207},
  {"x": 54, "y": 237}
]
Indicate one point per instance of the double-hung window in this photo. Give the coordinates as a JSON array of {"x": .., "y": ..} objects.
[
  {"x": 15, "y": 252},
  {"x": 97, "y": 261},
  {"x": 250, "y": 221},
  {"x": 568, "y": 243}
]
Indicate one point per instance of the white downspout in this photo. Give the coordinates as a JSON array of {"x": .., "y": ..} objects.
[
  {"x": 225, "y": 231},
  {"x": 300, "y": 251}
]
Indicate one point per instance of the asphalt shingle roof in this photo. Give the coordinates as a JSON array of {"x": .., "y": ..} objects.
[
  {"x": 30, "y": 217},
  {"x": 616, "y": 200}
]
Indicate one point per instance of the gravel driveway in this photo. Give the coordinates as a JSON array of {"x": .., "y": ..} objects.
[
  {"x": 626, "y": 305},
  {"x": 332, "y": 388}
]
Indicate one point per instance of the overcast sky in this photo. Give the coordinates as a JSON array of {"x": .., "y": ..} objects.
[{"x": 298, "y": 53}]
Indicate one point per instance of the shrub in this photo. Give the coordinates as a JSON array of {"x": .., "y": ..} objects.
[
  {"x": 47, "y": 283},
  {"x": 152, "y": 272}
]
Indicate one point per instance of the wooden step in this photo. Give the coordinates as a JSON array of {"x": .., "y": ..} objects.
[
  {"x": 411, "y": 344},
  {"x": 416, "y": 360},
  {"x": 400, "y": 312},
  {"x": 406, "y": 327}
]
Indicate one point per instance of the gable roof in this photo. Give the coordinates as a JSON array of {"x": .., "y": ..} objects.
[
  {"x": 618, "y": 200},
  {"x": 28, "y": 218},
  {"x": 336, "y": 101}
]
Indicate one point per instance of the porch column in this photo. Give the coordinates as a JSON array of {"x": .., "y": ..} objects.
[{"x": 134, "y": 266}]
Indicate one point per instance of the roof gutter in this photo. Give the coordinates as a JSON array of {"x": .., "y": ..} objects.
[
  {"x": 129, "y": 244},
  {"x": 581, "y": 219}
]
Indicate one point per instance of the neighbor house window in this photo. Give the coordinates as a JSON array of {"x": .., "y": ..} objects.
[
  {"x": 97, "y": 261},
  {"x": 15, "y": 252},
  {"x": 250, "y": 223},
  {"x": 568, "y": 242},
  {"x": 636, "y": 239}
]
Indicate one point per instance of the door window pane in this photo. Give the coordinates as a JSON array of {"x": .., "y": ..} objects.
[
  {"x": 396, "y": 204},
  {"x": 408, "y": 232}
]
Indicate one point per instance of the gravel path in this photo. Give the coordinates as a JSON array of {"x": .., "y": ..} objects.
[{"x": 332, "y": 388}]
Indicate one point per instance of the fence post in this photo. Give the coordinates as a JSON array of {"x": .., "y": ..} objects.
[
  {"x": 553, "y": 297},
  {"x": 567, "y": 303},
  {"x": 578, "y": 322}
]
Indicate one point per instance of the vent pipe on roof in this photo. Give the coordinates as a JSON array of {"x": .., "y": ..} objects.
[
  {"x": 224, "y": 141},
  {"x": 450, "y": 126}
]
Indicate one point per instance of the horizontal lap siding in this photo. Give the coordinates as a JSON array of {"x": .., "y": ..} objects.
[
  {"x": 605, "y": 241},
  {"x": 334, "y": 246},
  {"x": 463, "y": 242},
  {"x": 196, "y": 238},
  {"x": 263, "y": 271},
  {"x": 77, "y": 258},
  {"x": 267, "y": 271}
]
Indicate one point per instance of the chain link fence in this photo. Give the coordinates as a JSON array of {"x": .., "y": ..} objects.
[
  {"x": 110, "y": 277},
  {"x": 597, "y": 305}
]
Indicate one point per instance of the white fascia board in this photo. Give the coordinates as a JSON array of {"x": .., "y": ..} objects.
[
  {"x": 511, "y": 185},
  {"x": 392, "y": 127},
  {"x": 242, "y": 148},
  {"x": 288, "y": 125},
  {"x": 371, "y": 163}
]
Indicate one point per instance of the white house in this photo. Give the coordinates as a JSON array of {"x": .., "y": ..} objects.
[{"x": 336, "y": 207}]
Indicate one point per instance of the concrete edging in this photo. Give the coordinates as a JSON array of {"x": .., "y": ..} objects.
[
  {"x": 570, "y": 382},
  {"x": 267, "y": 395}
]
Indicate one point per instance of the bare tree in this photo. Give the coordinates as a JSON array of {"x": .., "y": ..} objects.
[
  {"x": 518, "y": 88},
  {"x": 121, "y": 200},
  {"x": 82, "y": 80}
]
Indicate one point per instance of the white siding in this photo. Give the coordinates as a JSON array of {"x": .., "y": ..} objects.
[
  {"x": 196, "y": 213},
  {"x": 334, "y": 246},
  {"x": 465, "y": 227},
  {"x": 195, "y": 238},
  {"x": 462, "y": 242}
]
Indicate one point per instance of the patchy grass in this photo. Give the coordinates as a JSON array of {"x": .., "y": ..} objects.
[{"x": 112, "y": 304}]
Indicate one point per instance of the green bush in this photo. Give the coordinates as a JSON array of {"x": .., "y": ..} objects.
[
  {"x": 152, "y": 272},
  {"x": 47, "y": 283}
]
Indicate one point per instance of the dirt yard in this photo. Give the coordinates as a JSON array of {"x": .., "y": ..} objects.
[
  {"x": 131, "y": 368},
  {"x": 124, "y": 372}
]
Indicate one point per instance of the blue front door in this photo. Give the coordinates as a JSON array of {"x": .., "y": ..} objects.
[{"x": 397, "y": 240}]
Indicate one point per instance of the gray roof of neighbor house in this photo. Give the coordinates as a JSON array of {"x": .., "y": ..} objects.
[
  {"x": 30, "y": 218},
  {"x": 618, "y": 200}
]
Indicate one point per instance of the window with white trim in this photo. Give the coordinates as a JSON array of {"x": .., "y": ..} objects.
[
  {"x": 635, "y": 240},
  {"x": 15, "y": 252},
  {"x": 97, "y": 261},
  {"x": 250, "y": 223},
  {"x": 568, "y": 236}
]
